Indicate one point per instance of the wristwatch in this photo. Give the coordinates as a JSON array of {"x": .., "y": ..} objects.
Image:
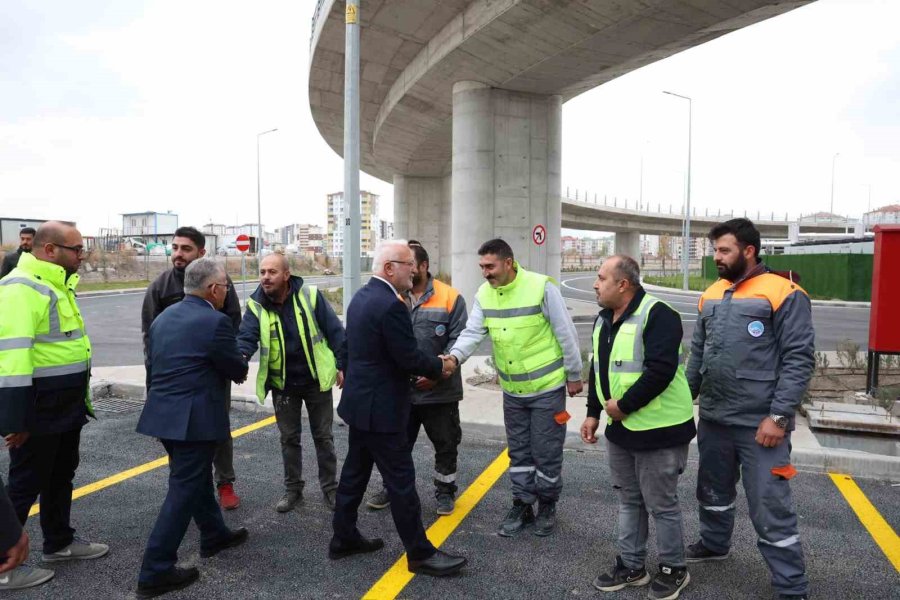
[{"x": 780, "y": 420}]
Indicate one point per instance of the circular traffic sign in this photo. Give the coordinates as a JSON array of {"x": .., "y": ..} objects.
[
  {"x": 242, "y": 242},
  {"x": 539, "y": 234}
]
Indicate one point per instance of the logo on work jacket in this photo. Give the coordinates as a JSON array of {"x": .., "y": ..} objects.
[
  {"x": 756, "y": 328},
  {"x": 440, "y": 330}
]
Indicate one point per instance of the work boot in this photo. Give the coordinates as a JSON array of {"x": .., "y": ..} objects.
[
  {"x": 519, "y": 517},
  {"x": 175, "y": 579},
  {"x": 290, "y": 499},
  {"x": 228, "y": 500},
  {"x": 235, "y": 537},
  {"x": 379, "y": 500},
  {"x": 545, "y": 522},
  {"x": 445, "y": 503},
  {"x": 79, "y": 549},
  {"x": 620, "y": 577},
  {"x": 696, "y": 553},
  {"x": 23, "y": 577},
  {"x": 668, "y": 583},
  {"x": 330, "y": 498}
]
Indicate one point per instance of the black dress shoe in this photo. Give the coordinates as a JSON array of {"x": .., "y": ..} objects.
[
  {"x": 337, "y": 549},
  {"x": 175, "y": 579},
  {"x": 236, "y": 538},
  {"x": 438, "y": 564}
]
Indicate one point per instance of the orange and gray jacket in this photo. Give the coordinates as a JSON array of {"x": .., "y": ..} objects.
[{"x": 753, "y": 350}]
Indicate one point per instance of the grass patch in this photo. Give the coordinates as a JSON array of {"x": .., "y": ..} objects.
[{"x": 695, "y": 282}]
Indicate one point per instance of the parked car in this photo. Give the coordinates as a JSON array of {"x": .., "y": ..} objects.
[{"x": 327, "y": 272}]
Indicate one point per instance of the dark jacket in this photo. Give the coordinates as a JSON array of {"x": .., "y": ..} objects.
[
  {"x": 168, "y": 289},
  {"x": 191, "y": 354},
  {"x": 10, "y": 528},
  {"x": 662, "y": 338},
  {"x": 297, "y": 373},
  {"x": 382, "y": 353},
  {"x": 10, "y": 261},
  {"x": 436, "y": 330}
]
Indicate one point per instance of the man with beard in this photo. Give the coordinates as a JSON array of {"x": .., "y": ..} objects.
[
  {"x": 752, "y": 356},
  {"x": 26, "y": 236},
  {"x": 188, "y": 245}
]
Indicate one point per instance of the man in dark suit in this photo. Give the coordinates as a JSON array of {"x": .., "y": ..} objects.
[
  {"x": 382, "y": 353},
  {"x": 192, "y": 353}
]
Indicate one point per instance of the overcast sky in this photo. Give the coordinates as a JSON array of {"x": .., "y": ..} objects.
[{"x": 121, "y": 106}]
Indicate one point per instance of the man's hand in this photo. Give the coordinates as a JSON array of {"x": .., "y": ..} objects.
[
  {"x": 450, "y": 364},
  {"x": 574, "y": 387},
  {"x": 16, "y": 440},
  {"x": 16, "y": 555},
  {"x": 423, "y": 384},
  {"x": 340, "y": 380},
  {"x": 768, "y": 434},
  {"x": 588, "y": 429},
  {"x": 612, "y": 409}
]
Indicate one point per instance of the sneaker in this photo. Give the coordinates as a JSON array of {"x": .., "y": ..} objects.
[
  {"x": 79, "y": 549},
  {"x": 668, "y": 583},
  {"x": 545, "y": 522},
  {"x": 445, "y": 503},
  {"x": 228, "y": 500},
  {"x": 519, "y": 517},
  {"x": 175, "y": 579},
  {"x": 696, "y": 553},
  {"x": 289, "y": 501},
  {"x": 330, "y": 498},
  {"x": 379, "y": 500},
  {"x": 23, "y": 577},
  {"x": 621, "y": 577}
]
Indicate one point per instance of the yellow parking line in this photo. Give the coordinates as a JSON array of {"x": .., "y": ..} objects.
[
  {"x": 878, "y": 528},
  {"x": 148, "y": 466},
  {"x": 398, "y": 576}
]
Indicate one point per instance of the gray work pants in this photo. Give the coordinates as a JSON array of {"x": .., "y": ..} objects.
[
  {"x": 727, "y": 453},
  {"x": 288, "y": 416},
  {"x": 223, "y": 460},
  {"x": 535, "y": 442},
  {"x": 646, "y": 481}
]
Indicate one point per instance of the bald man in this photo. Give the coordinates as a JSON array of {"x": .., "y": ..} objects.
[
  {"x": 45, "y": 358},
  {"x": 301, "y": 359}
]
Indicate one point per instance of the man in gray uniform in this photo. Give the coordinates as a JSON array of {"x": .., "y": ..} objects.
[{"x": 751, "y": 359}]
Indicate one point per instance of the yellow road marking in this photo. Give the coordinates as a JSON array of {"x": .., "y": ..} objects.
[
  {"x": 141, "y": 469},
  {"x": 398, "y": 576},
  {"x": 878, "y": 528}
]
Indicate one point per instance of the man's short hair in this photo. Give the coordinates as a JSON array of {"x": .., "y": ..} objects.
[
  {"x": 420, "y": 253},
  {"x": 385, "y": 251},
  {"x": 28, "y": 230},
  {"x": 627, "y": 268},
  {"x": 496, "y": 247},
  {"x": 199, "y": 274},
  {"x": 744, "y": 231},
  {"x": 192, "y": 234}
]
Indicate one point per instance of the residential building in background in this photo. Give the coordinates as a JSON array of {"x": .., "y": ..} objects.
[
  {"x": 886, "y": 215},
  {"x": 334, "y": 244},
  {"x": 301, "y": 237},
  {"x": 10, "y": 226},
  {"x": 150, "y": 226}
]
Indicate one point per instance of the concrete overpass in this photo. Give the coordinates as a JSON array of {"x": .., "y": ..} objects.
[{"x": 461, "y": 103}]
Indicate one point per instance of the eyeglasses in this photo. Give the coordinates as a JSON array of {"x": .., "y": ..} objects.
[
  {"x": 408, "y": 263},
  {"x": 78, "y": 250},
  {"x": 227, "y": 286}
]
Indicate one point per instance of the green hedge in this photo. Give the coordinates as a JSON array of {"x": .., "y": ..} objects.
[{"x": 823, "y": 276}]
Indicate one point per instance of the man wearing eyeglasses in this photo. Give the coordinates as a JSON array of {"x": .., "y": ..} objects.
[
  {"x": 45, "y": 359},
  {"x": 188, "y": 245}
]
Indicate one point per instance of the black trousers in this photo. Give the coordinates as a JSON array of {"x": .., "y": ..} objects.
[
  {"x": 441, "y": 422},
  {"x": 45, "y": 466},
  {"x": 391, "y": 452}
]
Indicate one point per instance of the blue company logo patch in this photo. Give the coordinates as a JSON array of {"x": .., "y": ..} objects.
[
  {"x": 756, "y": 328},
  {"x": 440, "y": 330}
]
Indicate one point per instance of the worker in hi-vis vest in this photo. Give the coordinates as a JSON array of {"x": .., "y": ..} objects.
[{"x": 537, "y": 361}]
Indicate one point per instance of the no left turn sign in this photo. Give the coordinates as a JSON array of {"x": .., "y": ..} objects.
[{"x": 539, "y": 235}]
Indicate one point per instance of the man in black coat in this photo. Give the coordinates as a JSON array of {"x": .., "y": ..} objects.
[
  {"x": 11, "y": 260},
  {"x": 382, "y": 353}
]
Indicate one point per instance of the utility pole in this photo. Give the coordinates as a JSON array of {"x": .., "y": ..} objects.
[
  {"x": 686, "y": 233},
  {"x": 351, "y": 152}
]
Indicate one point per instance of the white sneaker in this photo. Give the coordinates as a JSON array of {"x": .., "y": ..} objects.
[
  {"x": 79, "y": 549},
  {"x": 23, "y": 577}
]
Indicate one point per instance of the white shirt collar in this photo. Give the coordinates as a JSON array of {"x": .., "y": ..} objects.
[{"x": 390, "y": 285}]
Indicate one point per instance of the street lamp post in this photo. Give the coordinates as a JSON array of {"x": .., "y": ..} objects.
[
  {"x": 686, "y": 234},
  {"x": 833, "y": 159},
  {"x": 352, "y": 218},
  {"x": 259, "y": 230}
]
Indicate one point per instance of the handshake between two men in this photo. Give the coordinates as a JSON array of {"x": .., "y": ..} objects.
[{"x": 450, "y": 365}]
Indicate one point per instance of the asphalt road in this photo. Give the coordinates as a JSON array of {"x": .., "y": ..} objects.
[
  {"x": 286, "y": 553},
  {"x": 114, "y": 321}
]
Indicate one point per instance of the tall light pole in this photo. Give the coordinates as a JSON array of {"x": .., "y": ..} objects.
[
  {"x": 686, "y": 234},
  {"x": 260, "y": 240},
  {"x": 833, "y": 159},
  {"x": 351, "y": 152}
]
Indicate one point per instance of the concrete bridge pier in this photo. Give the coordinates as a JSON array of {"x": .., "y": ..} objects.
[
  {"x": 422, "y": 212},
  {"x": 629, "y": 242},
  {"x": 506, "y": 165}
]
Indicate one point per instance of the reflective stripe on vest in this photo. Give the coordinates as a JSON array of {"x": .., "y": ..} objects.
[
  {"x": 527, "y": 356},
  {"x": 673, "y": 406}
]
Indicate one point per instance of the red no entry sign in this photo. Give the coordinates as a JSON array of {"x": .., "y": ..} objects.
[
  {"x": 539, "y": 234},
  {"x": 242, "y": 243}
]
